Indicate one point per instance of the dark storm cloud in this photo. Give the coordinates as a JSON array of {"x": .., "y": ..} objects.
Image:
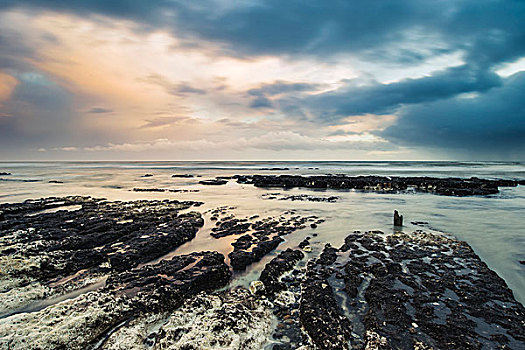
[
  {"x": 487, "y": 33},
  {"x": 261, "y": 102},
  {"x": 377, "y": 98},
  {"x": 264, "y": 91},
  {"x": 491, "y": 123}
]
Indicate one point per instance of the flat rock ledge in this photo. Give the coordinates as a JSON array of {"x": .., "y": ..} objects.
[
  {"x": 441, "y": 186},
  {"x": 53, "y": 246},
  {"x": 407, "y": 291}
]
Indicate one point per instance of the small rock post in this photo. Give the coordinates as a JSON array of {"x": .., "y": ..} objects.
[{"x": 398, "y": 219}]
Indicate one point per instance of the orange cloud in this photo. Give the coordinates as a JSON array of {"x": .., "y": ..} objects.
[{"x": 7, "y": 85}]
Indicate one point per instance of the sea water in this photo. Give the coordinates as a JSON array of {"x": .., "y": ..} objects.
[{"x": 493, "y": 225}]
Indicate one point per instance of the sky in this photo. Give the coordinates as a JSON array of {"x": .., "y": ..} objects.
[{"x": 262, "y": 80}]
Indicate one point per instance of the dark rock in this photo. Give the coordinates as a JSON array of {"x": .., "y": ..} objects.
[
  {"x": 164, "y": 286},
  {"x": 147, "y": 175},
  {"x": 182, "y": 175},
  {"x": 123, "y": 235},
  {"x": 240, "y": 259},
  {"x": 405, "y": 297},
  {"x": 230, "y": 226},
  {"x": 398, "y": 219},
  {"x": 213, "y": 182},
  {"x": 4, "y": 174},
  {"x": 320, "y": 314},
  {"x": 56, "y": 182},
  {"x": 284, "y": 262},
  {"x": 441, "y": 186},
  {"x": 274, "y": 169}
]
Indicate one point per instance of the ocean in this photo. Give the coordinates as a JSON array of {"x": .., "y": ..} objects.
[{"x": 493, "y": 225}]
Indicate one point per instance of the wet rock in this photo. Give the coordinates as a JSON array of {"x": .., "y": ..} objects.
[
  {"x": 213, "y": 182},
  {"x": 228, "y": 320},
  {"x": 426, "y": 291},
  {"x": 441, "y": 186},
  {"x": 4, "y": 173},
  {"x": 62, "y": 250},
  {"x": 256, "y": 287},
  {"x": 182, "y": 175},
  {"x": 320, "y": 314},
  {"x": 147, "y": 175},
  {"x": 282, "y": 263},
  {"x": 55, "y": 182},
  {"x": 77, "y": 323},
  {"x": 398, "y": 219},
  {"x": 230, "y": 226},
  {"x": 300, "y": 197},
  {"x": 240, "y": 259}
]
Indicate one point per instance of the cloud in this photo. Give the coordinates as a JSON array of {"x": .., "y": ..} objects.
[
  {"x": 490, "y": 124},
  {"x": 275, "y": 141},
  {"x": 324, "y": 70},
  {"x": 377, "y": 98},
  {"x": 99, "y": 110},
  {"x": 406, "y": 31},
  {"x": 167, "y": 121},
  {"x": 38, "y": 111}
]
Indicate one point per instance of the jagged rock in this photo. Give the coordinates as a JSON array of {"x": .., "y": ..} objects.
[
  {"x": 320, "y": 314},
  {"x": 239, "y": 259},
  {"x": 44, "y": 248},
  {"x": 282, "y": 263},
  {"x": 77, "y": 323}
]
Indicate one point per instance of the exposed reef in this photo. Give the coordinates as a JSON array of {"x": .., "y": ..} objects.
[
  {"x": 88, "y": 320},
  {"x": 408, "y": 291},
  {"x": 55, "y": 245},
  {"x": 263, "y": 236},
  {"x": 85, "y": 273},
  {"x": 300, "y": 197},
  {"x": 441, "y": 186}
]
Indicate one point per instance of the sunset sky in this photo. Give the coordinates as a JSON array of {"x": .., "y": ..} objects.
[{"x": 261, "y": 80}]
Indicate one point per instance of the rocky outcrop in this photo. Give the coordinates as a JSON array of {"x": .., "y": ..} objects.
[
  {"x": 320, "y": 314},
  {"x": 272, "y": 272},
  {"x": 50, "y": 251},
  {"x": 91, "y": 318},
  {"x": 408, "y": 291},
  {"x": 441, "y": 186},
  {"x": 240, "y": 259},
  {"x": 300, "y": 197},
  {"x": 265, "y": 236}
]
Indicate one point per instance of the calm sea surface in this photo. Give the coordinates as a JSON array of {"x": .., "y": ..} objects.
[{"x": 493, "y": 225}]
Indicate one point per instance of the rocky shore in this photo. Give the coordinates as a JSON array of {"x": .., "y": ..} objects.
[
  {"x": 85, "y": 273},
  {"x": 441, "y": 186}
]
